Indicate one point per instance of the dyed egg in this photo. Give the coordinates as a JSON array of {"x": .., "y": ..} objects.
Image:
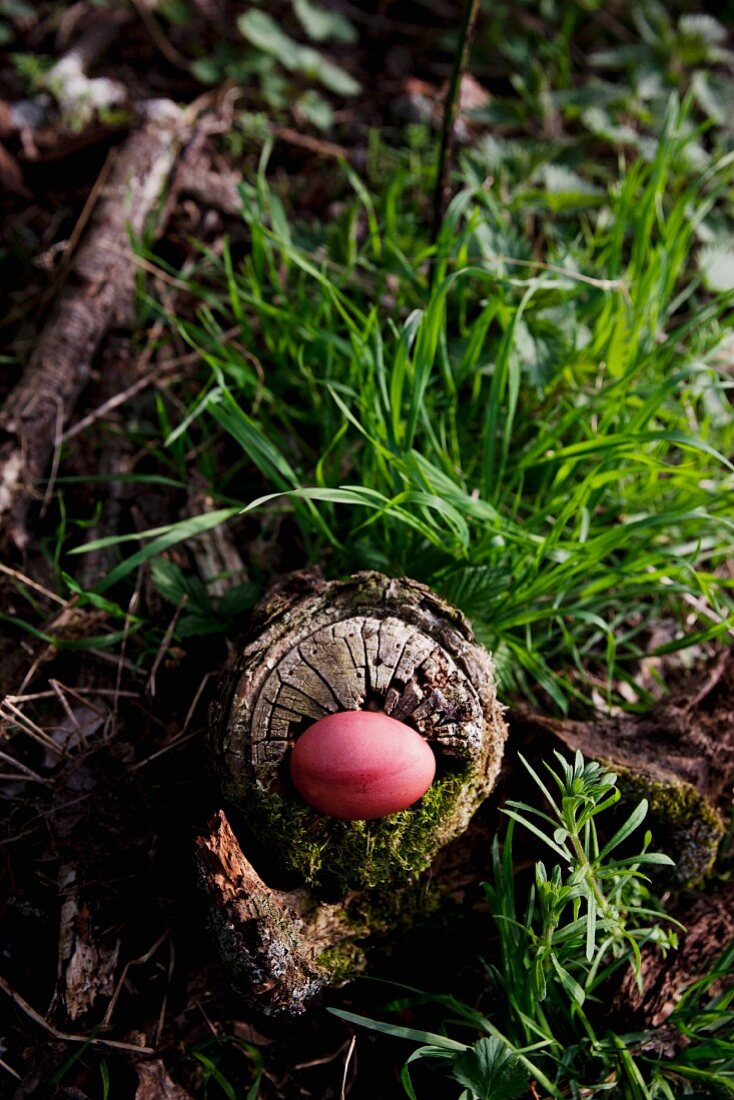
[{"x": 359, "y": 764}]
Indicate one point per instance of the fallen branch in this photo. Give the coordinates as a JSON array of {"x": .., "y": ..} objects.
[
  {"x": 210, "y": 188},
  {"x": 101, "y": 283},
  {"x": 442, "y": 190},
  {"x": 66, "y": 1036}
]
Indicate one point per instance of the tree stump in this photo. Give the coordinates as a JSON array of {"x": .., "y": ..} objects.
[{"x": 318, "y": 647}]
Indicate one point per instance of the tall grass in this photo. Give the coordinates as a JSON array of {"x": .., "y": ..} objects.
[{"x": 541, "y": 435}]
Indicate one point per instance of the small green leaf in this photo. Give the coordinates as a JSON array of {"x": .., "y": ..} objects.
[
  {"x": 18, "y": 9},
  {"x": 491, "y": 1071},
  {"x": 261, "y": 31},
  {"x": 236, "y": 601},
  {"x": 321, "y": 24},
  {"x": 568, "y": 982},
  {"x": 212, "y": 1070},
  {"x": 440, "y": 1041},
  {"x": 633, "y": 822},
  {"x": 206, "y": 70},
  {"x": 645, "y": 857},
  {"x": 314, "y": 109},
  {"x": 538, "y": 832},
  {"x": 314, "y": 65},
  {"x": 174, "y": 585}
]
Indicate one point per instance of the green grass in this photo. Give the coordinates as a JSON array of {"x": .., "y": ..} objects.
[{"x": 541, "y": 435}]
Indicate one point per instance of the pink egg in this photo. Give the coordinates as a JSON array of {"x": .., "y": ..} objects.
[{"x": 360, "y": 764}]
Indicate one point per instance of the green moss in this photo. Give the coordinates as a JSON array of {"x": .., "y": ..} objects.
[
  {"x": 349, "y": 855},
  {"x": 343, "y": 962},
  {"x": 684, "y": 823},
  {"x": 396, "y": 909}
]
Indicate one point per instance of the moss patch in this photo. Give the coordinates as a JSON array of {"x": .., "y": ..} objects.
[
  {"x": 343, "y": 962},
  {"x": 349, "y": 855},
  {"x": 689, "y": 828}
]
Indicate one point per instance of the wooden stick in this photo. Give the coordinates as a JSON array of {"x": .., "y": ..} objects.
[
  {"x": 66, "y": 1036},
  {"x": 442, "y": 193}
]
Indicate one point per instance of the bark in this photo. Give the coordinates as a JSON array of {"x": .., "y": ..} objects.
[
  {"x": 372, "y": 643},
  {"x": 115, "y": 458},
  {"x": 442, "y": 193},
  {"x": 101, "y": 283},
  {"x": 688, "y": 736},
  {"x": 210, "y": 188},
  {"x": 318, "y": 647},
  {"x": 218, "y": 559},
  {"x": 270, "y": 940},
  {"x": 366, "y": 643},
  {"x": 680, "y": 755},
  {"x": 87, "y": 960},
  {"x": 709, "y": 930},
  {"x": 88, "y": 949}
]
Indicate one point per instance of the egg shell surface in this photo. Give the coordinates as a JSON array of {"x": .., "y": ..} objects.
[{"x": 358, "y": 765}]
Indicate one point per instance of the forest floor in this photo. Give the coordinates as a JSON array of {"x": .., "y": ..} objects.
[{"x": 219, "y": 227}]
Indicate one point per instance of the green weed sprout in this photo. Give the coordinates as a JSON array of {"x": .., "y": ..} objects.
[{"x": 601, "y": 895}]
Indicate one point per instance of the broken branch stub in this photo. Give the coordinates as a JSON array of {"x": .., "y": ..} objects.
[
  {"x": 272, "y": 942},
  {"x": 367, "y": 643}
]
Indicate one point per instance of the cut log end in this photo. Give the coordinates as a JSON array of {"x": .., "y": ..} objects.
[{"x": 372, "y": 643}]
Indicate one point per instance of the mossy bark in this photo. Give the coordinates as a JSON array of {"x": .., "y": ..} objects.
[
  {"x": 317, "y": 647},
  {"x": 280, "y": 947},
  {"x": 707, "y": 931},
  {"x": 679, "y": 756}
]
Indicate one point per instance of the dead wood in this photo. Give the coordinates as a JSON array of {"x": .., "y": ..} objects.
[
  {"x": 88, "y": 953},
  {"x": 155, "y": 1084},
  {"x": 218, "y": 559},
  {"x": 89, "y": 948},
  {"x": 87, "y": 796},
  {"x": 317, "y": 647},
  {"x": 709, "y": 930},
  {"x": 269, "y": 940},
  {"x": 679, "y": 755},
  {"x": 118, "y": 373},
  {"x": 98, "y": 293},
  {"x": 371, "y": 643},
  {"x": 87, "y": 961},
  {"x": 210, "y": 188}
]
